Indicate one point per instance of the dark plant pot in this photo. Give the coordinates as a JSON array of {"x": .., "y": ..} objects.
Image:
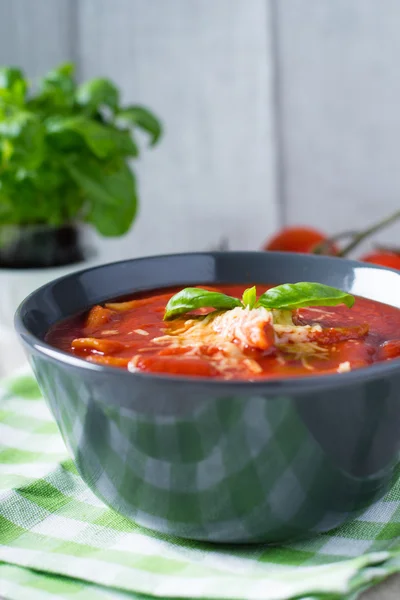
[{"x": 39, "y": 246}]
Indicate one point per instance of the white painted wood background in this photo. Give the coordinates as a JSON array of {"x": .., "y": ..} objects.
[
  {"x": 274, "y": 110},
  {"x": 206, "y": 68},
  {"x": 339, "y": 98}
]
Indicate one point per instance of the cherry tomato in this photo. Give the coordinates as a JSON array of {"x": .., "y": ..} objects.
[
  {"x": 297, "y": 239},
  {"x": 385, "y": 259}
]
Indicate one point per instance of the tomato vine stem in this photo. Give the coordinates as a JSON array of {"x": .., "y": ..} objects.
[
  {"x": 362, "y": 235},
  {"x": 356, "y": 236},
  {"x": 324, "y": 246}
]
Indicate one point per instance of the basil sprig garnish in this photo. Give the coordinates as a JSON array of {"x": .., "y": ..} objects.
[
  {"x": 288, "y": 296},
  {"x": 249, "y": 297},
  {"x": 192, "y": 298}
]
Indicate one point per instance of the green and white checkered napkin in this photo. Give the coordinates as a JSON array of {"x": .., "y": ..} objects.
[{"x": 57, "y": 540}]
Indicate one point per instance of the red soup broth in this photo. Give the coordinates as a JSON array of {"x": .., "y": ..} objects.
[{"x": 115, "y": 332}]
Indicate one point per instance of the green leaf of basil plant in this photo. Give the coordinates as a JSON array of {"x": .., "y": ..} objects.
[
  {"x": 192, "y": 298},
  {"x": 288, "y": 296},
  {"x": 103, "y": 141},
  {"x": 138, "y": 116},
  {"x": 22, "y": 140},
  {"x": 249, "y": 297},
  {"x": 9, "y": 76},
  {"x": 13, "y": 87},
  {"x": 96, "y": 93},
  {"x": 57, "y": 88},
  {"x": 110, "y": 190}
]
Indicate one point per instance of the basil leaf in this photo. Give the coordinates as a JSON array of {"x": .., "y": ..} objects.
[
  {"x": 249, "y": 297},
  {"x": 192, "y": 298},
  {"x": 13, "y": 86},
  {"x": 9, "y": 76},
  {"x": 102, "y": 140},
  {"x": 57, "y": 87},
  {"x": 111, "y": 193},
  {"x": 116, "y": 220},
  {"x": 290, "y": 296},
  {"x": 144, "y": 119},
  {"x": 96, "y": 93},
  {"x": 22, "y": 140}
]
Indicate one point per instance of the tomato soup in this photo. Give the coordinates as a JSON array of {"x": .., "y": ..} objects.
[{"x": 239, "y": 344}]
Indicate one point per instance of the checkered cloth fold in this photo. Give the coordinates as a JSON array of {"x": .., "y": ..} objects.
[{"x": 58, "y": 540}]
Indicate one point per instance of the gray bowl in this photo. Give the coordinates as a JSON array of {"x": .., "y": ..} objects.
[{"x": 221, "y": 461}]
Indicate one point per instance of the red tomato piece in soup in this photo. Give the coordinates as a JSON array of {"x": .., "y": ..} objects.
[
  {"x": 355, "y": 352},
  {"x": 389, "y": 349}
]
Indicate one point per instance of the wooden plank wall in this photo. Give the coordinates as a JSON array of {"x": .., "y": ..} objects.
[
  {"x": 206, "y": 68},
  {"x": 36, "y": 35},
  {"x": 274, "y": 110},
  {"x": 339, "y": 106}
]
